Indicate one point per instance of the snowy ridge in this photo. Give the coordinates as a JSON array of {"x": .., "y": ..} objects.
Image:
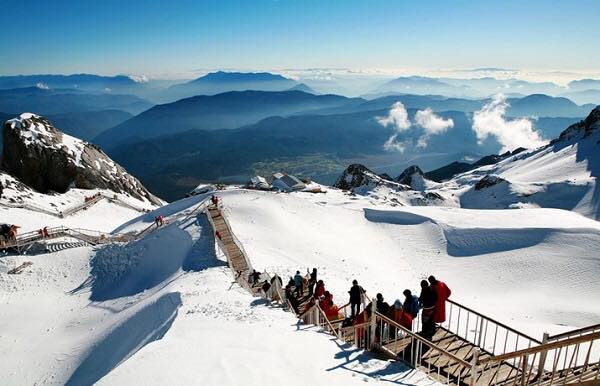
[
  {"x": 36, "y": 130},
  {"x": 47, "y": 160}
]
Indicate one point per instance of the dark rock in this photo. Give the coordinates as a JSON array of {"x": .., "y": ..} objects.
[
  {"x": 582, "y": 129},
  {"x": 405, "y": 177},
  {"x": 487, "y": 181},
  {"x": 433, "y": 196},
  {"x": 357, "y": 175},
  {"x": 448, "y": 171},
  {"x": 44, "y": 158}
]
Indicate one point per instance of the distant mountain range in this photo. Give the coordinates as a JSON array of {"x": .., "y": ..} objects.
[
  {"x": 208, "y": 154},
  {"x": 85, "y": 82},
  {"x": 220, "y": 82},
  {"x": 57, "y": 101},
  {"x": 475, "y": 87},
  {"x": 222, "y": 111}
]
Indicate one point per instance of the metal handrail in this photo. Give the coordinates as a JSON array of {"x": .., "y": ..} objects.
[
  {"x": 421, "y": 339},
  {"x": 542, "y": 348},
  {"x": 579, "y": 331},
  {"x": 495, "y": 321}
]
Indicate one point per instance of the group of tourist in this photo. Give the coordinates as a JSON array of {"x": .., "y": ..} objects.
[{"x": 302, "y": 292}]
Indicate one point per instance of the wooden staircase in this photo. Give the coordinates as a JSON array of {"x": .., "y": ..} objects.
[{"x": 468, "y": 349}]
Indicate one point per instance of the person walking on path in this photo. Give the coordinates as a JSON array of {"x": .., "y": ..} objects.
[
  {"x": 442, "y": 293},
  {"x": 298, "y": 283},
  {"x": 411, "y": 303},
  {"x": 312, "y": 281},
  {"x": 428, "y": 300},
  {"x": 355, "y": 292}
]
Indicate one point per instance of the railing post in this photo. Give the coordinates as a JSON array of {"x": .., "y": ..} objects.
[
  {"x": 475, "y": 367},
  {"x": 543, "y": 356},
  {"x": 373, "y": 324},
  {"x": 480, "y": 331}
]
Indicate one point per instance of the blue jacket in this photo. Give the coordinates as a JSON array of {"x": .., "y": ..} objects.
[
  {"x": 411, "y": 305},
  {"x": 298, "y": 280}
]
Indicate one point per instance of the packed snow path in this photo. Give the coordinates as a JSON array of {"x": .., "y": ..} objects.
[
  {"x": 456, "y": 355},
  {"x": 75, "y": 208}
]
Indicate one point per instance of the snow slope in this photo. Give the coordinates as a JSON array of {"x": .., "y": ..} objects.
[
  {"x": 161, "y": 310},
  {"x": 534, "y": 269}
]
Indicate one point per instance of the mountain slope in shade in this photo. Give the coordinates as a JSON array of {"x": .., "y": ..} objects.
[{"x": 222, "y": 111}]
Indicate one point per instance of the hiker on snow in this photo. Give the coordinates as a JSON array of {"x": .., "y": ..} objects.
[
  {"x": 266, "y": 286},
  {"x": 320, "y": 289},
  {"x": 382, "y": 307},
  {"x": 298, "y": 283},
  {"x": 291, "y": 298},
  {"x": 443, "y": 293},
  {"x": 411, "y": 303},
  {"x": 401, "y": 316},
  {"x": 356, "y": 293},
  {"x": 428, "y": 300},
  {"x": 254, "y": 276},
  {"x": 312, "y": 281}
]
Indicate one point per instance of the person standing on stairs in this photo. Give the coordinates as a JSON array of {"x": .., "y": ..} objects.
[
  {"x": 312, "y": 281},
  {"x": 356, "y": 293},
  {"x": 254, "y": 277},
  {"x": 298, "y": 283},
  {"x": 411, "y": 303},
  {"x": 289, "y": 295},
  {"x": 442, "y": 293},
  {"x": 428, "y": 300}
]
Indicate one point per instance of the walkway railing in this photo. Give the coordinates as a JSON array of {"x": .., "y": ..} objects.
[{"x": 485, "y": 352}]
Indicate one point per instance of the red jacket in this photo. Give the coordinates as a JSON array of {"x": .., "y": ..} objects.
[
  {"x": 443, "y": 293},
  {"x": 403, "y": 318},
  {"x": 319, "y": 291}
]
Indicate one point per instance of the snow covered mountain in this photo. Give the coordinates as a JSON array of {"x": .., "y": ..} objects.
[
  {"x": 560, "y": 175},
  {"x": 44, "y": 158}
]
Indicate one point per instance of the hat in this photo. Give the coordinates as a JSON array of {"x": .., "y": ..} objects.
[{"x": 397, "y": 304}]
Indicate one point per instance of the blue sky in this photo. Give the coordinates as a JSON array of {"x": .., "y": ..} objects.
[{"x": 165, "y": 38}]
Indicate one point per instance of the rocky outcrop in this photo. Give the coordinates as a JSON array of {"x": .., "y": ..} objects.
[
  {"x": 488, "y": 181},
  {"x": 357, "y": 175},
  {"x": 582, "y": 129},
  {"x": 406, "y": 177},
  {"x": 44, "y": 158}
]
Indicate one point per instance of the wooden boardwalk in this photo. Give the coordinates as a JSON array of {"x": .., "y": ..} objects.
[{"x": 447, "y": 357}]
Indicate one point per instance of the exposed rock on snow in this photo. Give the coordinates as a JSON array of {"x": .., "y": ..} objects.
[
  {"x": 46, "y": 159},
  {"x": 357, "y": 175},
  {"x": 487, "y": 181},
  {"x": 582, "y": 129},
  {"x": 414, "y": 177},
  {"x": 406, "y": 177}
]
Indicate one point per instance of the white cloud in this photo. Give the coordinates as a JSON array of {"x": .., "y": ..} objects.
[
  {"x": 432, "y": 124},
  {"x": 392, "y": 144},
  {"x": 139, "y": 78},
  {"x": 512, "y": 133},
  {"x": 397, "y": 118}
]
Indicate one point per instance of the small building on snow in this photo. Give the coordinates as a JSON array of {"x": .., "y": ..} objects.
[
  {"x": 287, "y": 183},
  {"x": 258, "y": 182}
]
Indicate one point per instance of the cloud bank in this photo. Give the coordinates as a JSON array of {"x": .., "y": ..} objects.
[
  {"x": 511, "y": 134},
  {"x": 397, "y": 118},
  {"x": 432, "y": 124}
]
